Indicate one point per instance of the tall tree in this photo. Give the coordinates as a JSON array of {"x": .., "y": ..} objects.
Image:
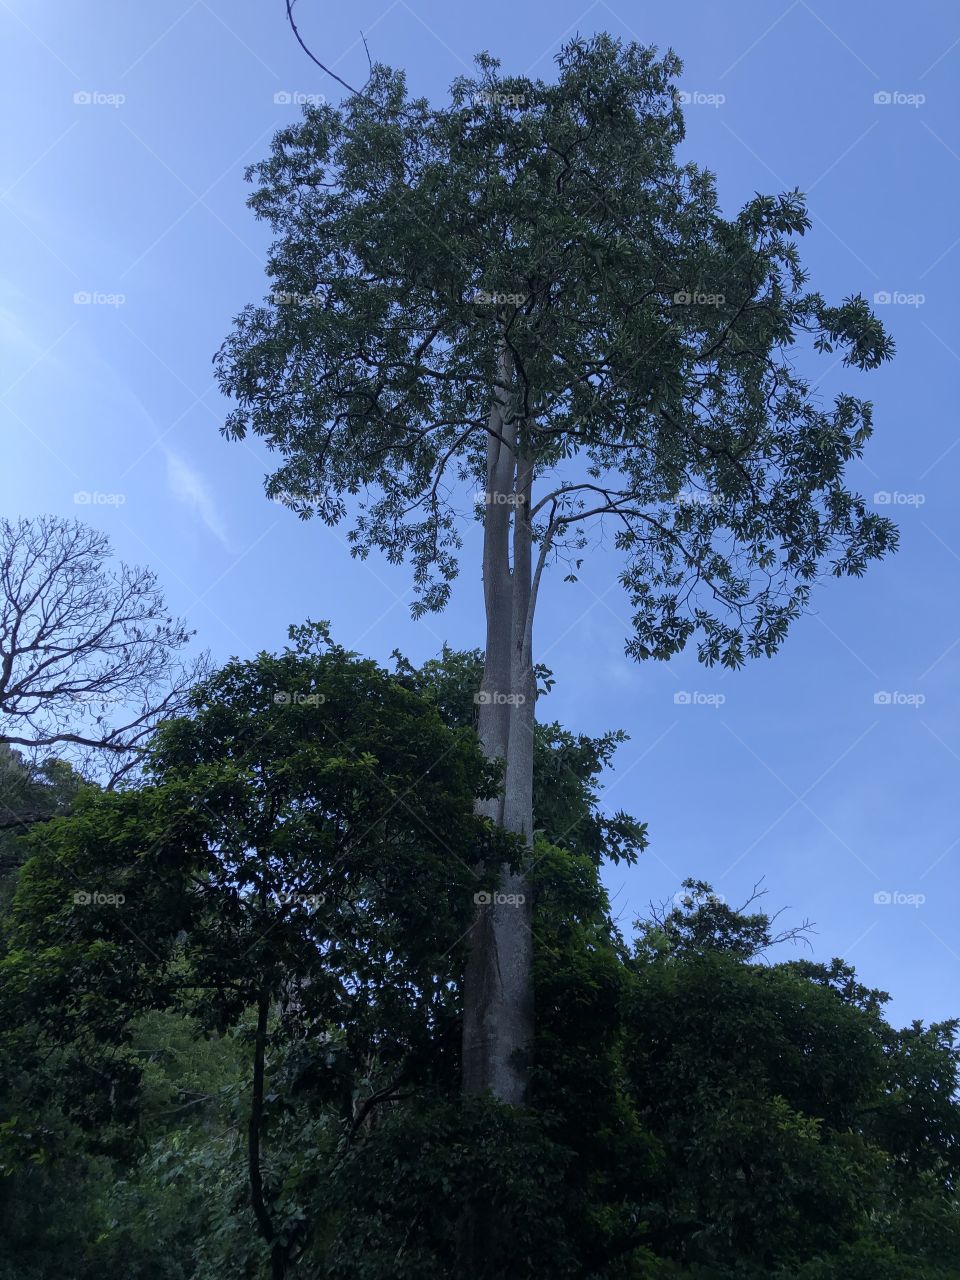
[
  {"x": 527, "y": 293},
  {"x": 89, "y": 654}
]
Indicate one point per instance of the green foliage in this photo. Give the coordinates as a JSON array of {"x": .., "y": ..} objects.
[
  {"x": 769, "y": 1089},
  {"x": 653, "y": 344},
  {"x": 394, "y": 1198},
  {"x": 29, "y": 793},
  {"x": 307, "y": 838},
  {"x": 566, "y": 766},
  {"x": 696, "y": 1111}
]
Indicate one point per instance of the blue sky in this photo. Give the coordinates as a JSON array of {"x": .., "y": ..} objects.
[{"x": 132, "y": 195}]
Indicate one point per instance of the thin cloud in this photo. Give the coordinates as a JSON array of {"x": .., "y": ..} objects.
[{"x": 189, "y": 487}]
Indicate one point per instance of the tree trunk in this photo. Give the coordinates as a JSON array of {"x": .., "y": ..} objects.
[
  {"x": 498, "y": 982},
  {"x": 278, "y": 1267}
]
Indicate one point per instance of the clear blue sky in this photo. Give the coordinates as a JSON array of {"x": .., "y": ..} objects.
[{"x": 137, "y": 193}]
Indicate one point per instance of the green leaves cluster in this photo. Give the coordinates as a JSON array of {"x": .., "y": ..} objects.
[
  {"x": 695, "y": 1111},
  {"x": 654, "y": 344}
]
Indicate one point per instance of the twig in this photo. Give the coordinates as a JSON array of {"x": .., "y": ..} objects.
[{"x": 312, "y": 56}]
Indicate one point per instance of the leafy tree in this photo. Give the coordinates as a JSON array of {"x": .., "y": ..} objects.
[
  {"x": 29, "y": 793},
  {"x": 178, "y": 938},
  {"x": 152, "y": 1212},
  {"x": 699, "y": 1113},
  {"x": 51, "y": 1208},
  {"x": 769, "y": 1090},
  {"x": 300, "y": 866},
  {"x": 525, "y": 293},
  {"x": 88, "y": 653},
  {"x": 696, "y": 1111},
  {"x": 567, "y": 766}
]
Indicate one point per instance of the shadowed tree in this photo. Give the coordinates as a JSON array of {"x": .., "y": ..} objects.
[
  {"x": 300, "y": 859},
  {"x": 89, "y": 656},
  {"x": 697, "y": 1109},
  {"x": 29, "y": 794},
  {"x": 525, "y": 293}
]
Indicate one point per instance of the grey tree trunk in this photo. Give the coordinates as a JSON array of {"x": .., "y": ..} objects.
[{"x": 498, "y": 982}]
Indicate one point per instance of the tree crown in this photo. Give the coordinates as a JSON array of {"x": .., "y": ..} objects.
[{"x": 550, "y": 230}]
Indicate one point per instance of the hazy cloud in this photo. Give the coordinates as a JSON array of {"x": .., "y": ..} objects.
[{"x": 189, "y": 487}]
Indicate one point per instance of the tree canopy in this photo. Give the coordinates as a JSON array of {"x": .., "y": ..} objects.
[
  {"x": 539, "y": 244},
  {"x": 283, "y": 977}
]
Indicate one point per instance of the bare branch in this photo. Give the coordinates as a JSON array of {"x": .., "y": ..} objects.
[
  {"x": 89, "y": 656},
  {"x": 312, "y": 56}
]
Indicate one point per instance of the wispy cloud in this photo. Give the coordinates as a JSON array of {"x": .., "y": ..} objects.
[{"x": 189, "y": 487}]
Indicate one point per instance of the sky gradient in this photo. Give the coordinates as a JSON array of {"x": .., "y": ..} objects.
[{"x": 831, "y": 770}]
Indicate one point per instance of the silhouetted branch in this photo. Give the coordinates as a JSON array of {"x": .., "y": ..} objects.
[{"x": 313, "y": 57}]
